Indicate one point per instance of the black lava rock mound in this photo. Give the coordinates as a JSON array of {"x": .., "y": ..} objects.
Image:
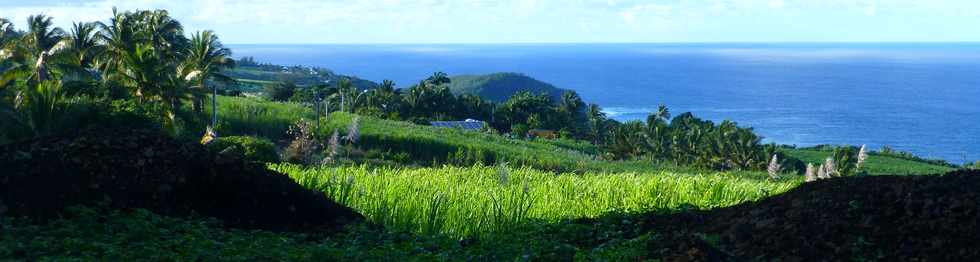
[
  {"x": 144, "y": 169},
  {"x": 876, "y": 218}
]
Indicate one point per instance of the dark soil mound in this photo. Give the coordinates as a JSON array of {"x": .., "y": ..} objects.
[
  {"x": 144, "y": 169},
  {"x": 890, "y": 218}
]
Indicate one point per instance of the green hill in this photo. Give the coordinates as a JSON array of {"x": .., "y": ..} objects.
[
  {"x": 500, "y": 86},
  {"x": 251, "y": 78}
]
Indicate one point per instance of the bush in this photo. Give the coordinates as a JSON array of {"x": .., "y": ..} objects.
[
  {"x": 519, "y": 130},
  {"x": 252, "y": 148},
  {"x": 280, "y": 91},
  {"x": 305, "y": 147},
  {"x": 845, "y": 159}
]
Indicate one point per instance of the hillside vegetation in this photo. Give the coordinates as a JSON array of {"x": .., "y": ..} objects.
[
  {"x": 409, "y": 143},
  {"x": 498, "y": 87},
  {"x": 252, "y": 75},
  {"x": 115, "y": 154},
  {"x": 877, "y": 164}
]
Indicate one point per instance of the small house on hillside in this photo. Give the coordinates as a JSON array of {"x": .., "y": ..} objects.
[{"x": 468, "y": 124}]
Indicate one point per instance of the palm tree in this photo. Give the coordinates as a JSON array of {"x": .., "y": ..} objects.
[
  {"x": 8, "y": 45},
  {"x": 119, "y": 36},
  {"x": 83, "y": 44},
  {"x": 386, "y": 98},
  {"x": 141, "y": 70},
  {"x": 345, "y": 92},
  {"x": 663, "y": 113},
  {"x": 438, "y": 78},
  {"x": 165, "y": 33},
  {"x": 7, "y": 33},
  {"x": 208, "y": 58},
  {"x": 29, "y": 55},
  {"x": 41, "y": 36},
  {"x": 597, "y": 120}
]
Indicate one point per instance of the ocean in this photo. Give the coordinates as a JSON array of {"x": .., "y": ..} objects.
[{"x": 921, "y": 98}]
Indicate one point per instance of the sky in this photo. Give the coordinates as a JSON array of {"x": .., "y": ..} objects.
[{"x": 542, "y": 21}]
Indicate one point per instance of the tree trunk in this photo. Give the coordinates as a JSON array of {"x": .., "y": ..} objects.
[{"x": 198, "y": 104}]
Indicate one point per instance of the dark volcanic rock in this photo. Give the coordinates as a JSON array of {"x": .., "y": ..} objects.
[
  {"x": 878, "y": 218},
  {"x": 143, "y": 169}
]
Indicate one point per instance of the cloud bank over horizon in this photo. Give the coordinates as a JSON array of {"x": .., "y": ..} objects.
[{"x": 530, "y": 21}]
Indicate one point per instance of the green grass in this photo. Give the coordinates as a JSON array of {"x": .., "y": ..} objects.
[
  {"x": 433, "y": 146},
  {"x": 875, "y": 165},
  {"x": 468, "y": 201},
  {"x": 427, "y": 214},
  {"x": 422, "y": 145},
  {"x": 242, "y": 116},
  {"x": 258, "y": 82},
  {"x": 90, "y": 235}
]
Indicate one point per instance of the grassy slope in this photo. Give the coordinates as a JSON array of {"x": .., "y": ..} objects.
[
  {"x": 876, "y": 164},
  {"x": 500, "y": 86},
  {"x": 239, "y": 116},
  {"x": 250, "y": 116},
  {"x": 423, "y": 144},
  {"x": 450, "y": 146}
]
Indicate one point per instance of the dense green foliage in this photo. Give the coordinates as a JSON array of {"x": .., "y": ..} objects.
[
  {"x": 135, "y": 55},
  {"x": 469, "y": 201},
  {"x": 252, "y": 148},
  {"x": 689, "y": 140},
  {"x": 406, "y": 143},
  {"x": 499, "y": 87},
  {"x": 432, "y": 99}
]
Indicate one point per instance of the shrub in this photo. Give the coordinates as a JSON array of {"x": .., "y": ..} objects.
[
  {"x": 252, "y": 148},
  {"x": 845, "y": 160},
  {"x": 305, "y": 146},
  {"x": 519, "y": 130},
  {"x": 280, "y": 91}
]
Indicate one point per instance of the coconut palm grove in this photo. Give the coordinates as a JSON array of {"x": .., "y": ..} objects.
[{"x": 132, "y": 139}]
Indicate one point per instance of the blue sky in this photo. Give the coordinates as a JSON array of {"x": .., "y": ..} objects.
[{"x": 529, "y": 21}]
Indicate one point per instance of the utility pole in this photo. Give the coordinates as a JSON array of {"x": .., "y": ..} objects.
[{"x": 316, "y": 110}]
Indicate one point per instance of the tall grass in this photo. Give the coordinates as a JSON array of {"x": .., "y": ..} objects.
[
  {"x": 466, "y": 201},
  {"x": 253, "y": 116}
]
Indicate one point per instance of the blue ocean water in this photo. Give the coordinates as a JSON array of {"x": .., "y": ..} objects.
[{"x": 922, "y": 98}]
